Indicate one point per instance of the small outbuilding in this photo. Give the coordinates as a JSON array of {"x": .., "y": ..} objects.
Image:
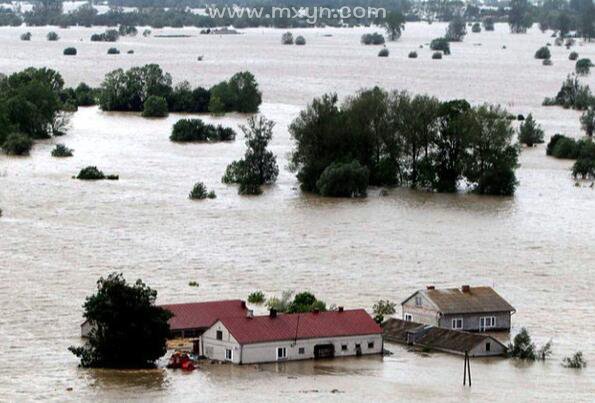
[
  {"x": 472, "y": 309},
  {"x": 285, "y": 337},
  {"x": 444, "y": 340}
]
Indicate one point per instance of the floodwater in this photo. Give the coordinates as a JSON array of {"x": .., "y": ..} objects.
[{"x": 58, "y": 235}]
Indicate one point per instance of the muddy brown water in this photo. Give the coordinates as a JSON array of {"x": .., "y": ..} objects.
[{"x": 58, "y": 235}]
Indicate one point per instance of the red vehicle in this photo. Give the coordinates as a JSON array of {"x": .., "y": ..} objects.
[{"x": 181, "y": 361}]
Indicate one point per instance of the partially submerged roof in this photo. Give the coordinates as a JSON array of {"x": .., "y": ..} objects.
[
  {"x": 396, "y": 330},
  {"x": 311, "y": 325},
  {"x": 203, "y": 314},
  {"x": 472, "y": 300}
]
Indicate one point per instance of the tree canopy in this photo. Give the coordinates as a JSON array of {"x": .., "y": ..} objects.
[{"x": 128, "y": 330}]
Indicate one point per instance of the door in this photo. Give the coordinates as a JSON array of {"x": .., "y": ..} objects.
[
  {"x": 324, "y": 351},
  {"x": 482, "y": 324}
]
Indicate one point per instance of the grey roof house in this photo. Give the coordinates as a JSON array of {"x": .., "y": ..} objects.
[{"x": 472, "y": 309}]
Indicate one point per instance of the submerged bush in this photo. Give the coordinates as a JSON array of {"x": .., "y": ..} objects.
[
  {"x": 543, "y": 53},
  {"x": 583, "y": 67},
  {"x": 576, "y": 361},
  {"x": 256, "y": 297},
  {"x": 155, "y": 107},
  {"x": 52, "y": 36},
  {"x": 476, "y": 28},
  {"x": 373, "y": 39},
  {"x": 70, "y": 51},
  {"x": 198, "y": 192},
  {"x": 344, "y": 180},
  {"x": 190, "y": 130},
  {"x": 530, "y": 132},
  {"x": 113, "y": 51},
  {"x": 584, "y": 168},
  {"x": 488, "y": 24},
  {"x": 547, "y": 62},
  {"x": 90, "y": 173},
  {"x": 287, "y": 38},
  {"x": 437, "y": 55},
  {"x": 61, "y": 151},
  {"x": 383, "y": 52},
  {"x": 412, "y": 55},
  {"x": 572, "y": 94},
  {"x": 26, "y": 36},
  {"x": 573, "y": 56},
  {"x": 110, "y": 35},
  {"x": 440, "y": 44},
  {"x": 300, "y": 40},
  {"x": 17, "y": 144}
]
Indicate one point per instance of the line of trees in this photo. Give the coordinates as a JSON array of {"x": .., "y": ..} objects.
[
  {"x": 129, "y": 90},
  {"x": 385, "y": 138}
]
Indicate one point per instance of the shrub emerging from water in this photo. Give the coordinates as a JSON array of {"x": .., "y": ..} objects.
[
  {"x": 300, "y": 40},
  {"x": 373, "y": 39},
  {"x": 573, "y": 56},
  {"x": 457, "y": 29},
  {"x": 440, "y": 44},
  {"x": 70, "y": 51},
  {"x": 412, "y": 55},
  {"x": 52, "y": 36},
  {"x": 522, "y": 347},
  {"x": 191, "y": 130},
  {"x": 530, "y": 133},
  {"x": 198, "y": 192},
  {"x": 572, "y": 94},
  {"x": 547, "y": 62},
  {"x": 90, "y": 173},
  {"x": 383, "y": 52},
  {"x": 110, "y": 35},
  {"x": 85, "y": 95},
  {"x": 437, "y": 55},
  {"x": 543, "y": 53},
  {"x": 583, "y": 67},
  {"x": 476, "y": 28},
  {"x": 584, "y": 168},
  {"x": 259, "y": 165},
  {"x": 61, "y": 151},
  {"x": 155, "y": 107},
  {"x": 287, "y": 38},
  {"x": 588, "y": 121},
  {"x": 256, "y": 297},
  {"x": 488, "y": 24},
  {"x": 576, "y": 361},
  {"x": 113, "y": 51},
  {"x": 26, "y": 36},
  {"x": 344, "y": 180},
  {"x": 17, "y": 144}
]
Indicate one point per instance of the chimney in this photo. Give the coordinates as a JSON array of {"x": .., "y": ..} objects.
[
  {"x": 341, "y": 309},
  {"x": 249, "y": 313},
  {"x": 466, "y": 288},
  {"x": 273, "y": 313},
  {"x": 243, "y": 304},
  {"x": 430, "y": 287}
]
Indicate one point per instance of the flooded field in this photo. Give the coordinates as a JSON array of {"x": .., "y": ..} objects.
[{"x": 58, "y": 235}]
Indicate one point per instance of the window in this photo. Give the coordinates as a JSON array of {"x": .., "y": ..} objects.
[
  {"x": 301, "y": 350},
  {"x": 457, "y": 323},
  {"x": 371, "y": 344},
  {"x": 408, "y": 317},
  {"x": 343, "y": 347},
  {"x": 219, "y": 335},
  {"x": 488, "y": 346},
  {"x": 418, "y": 301},
  {"x": 228, "y": 354},
  {"x": 487, "y": 322},
  {"x": 281, "y": 353}
]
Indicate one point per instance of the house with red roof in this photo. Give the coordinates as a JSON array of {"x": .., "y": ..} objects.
[{"x": 283, "y": 337}]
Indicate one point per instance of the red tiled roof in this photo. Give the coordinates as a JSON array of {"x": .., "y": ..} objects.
[
  {"x": 261, "y": 329},
  {"x": 203, "y": 314}
]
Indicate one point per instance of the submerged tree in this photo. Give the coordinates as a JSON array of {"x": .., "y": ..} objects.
[
  {"x": 588, "y": 121},
  {"x": 394, "y": 24},
  {"x": 128, "y": 329},
  {"x": 457, "y": 29},
  {"x": 259, "y": 165},
  {"x": 530, "y": 132},
  {"x": 576, "y": 361},
  {"x": 519, "y": 16}
]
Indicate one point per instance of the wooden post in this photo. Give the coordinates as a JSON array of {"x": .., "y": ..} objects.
[{"x": 467, "y": 369}]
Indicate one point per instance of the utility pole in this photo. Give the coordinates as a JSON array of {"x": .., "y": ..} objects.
[{"x": 467, "y": 369}]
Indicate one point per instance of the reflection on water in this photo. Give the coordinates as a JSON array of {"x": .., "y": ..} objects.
[{"x": 58, "y": 235}]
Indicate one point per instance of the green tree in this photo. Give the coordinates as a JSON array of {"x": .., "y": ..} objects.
[
  {"x": 155, "y": 107},
  {"x": 305, "y": 302},
  {"x": 576, "y": 361},
  {"x": 246, "y": 95},
  {"x": 259, "y": 165},
  {"x": 440, "y": 44},
  {"x": 17, "y": 144},
  {"x": 128, "y": 330},
  {"x": 519, "y": 16},
  {"x": 457, "y": 29},
  {"x": 394, "y": 24},
  {"x": 588, "y": 121},
  {"x": 543, "y": 53},
  {"x": 488, "y": 24},
  {"x": 583, "y": 67},
  {"x": 344, "y": 180},
  {"x": 530, "y": 132}
]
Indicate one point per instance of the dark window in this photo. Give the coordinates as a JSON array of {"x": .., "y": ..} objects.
[
  {"x": 488, "y": 346},
  {"x": 219, "y": 335},
  {"x": 344, "y": 347},
  {"x": 301, "y": 350},
  {"x": 371, "y": 344}
]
